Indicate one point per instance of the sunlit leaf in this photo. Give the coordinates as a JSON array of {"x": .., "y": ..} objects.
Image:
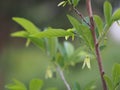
[
  {"x": 50, "y": 32},
  {"x": 38, "y": 42},
  {"x": 23, "y": 34},
  {"x": 26, "y": 24},
  {"x": 35, "y": 84},
  {"x": 116, "y": 15},
  {"x": 107, "y": 12}
]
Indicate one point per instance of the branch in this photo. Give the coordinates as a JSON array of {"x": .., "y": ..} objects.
[
  {"x": 63, "y": 77},
  {"x": 81, "y": 16},
  {"x": 96, "y": 44}
]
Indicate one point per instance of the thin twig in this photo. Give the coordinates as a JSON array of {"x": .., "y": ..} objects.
[
  {"x": 81, "y": 16},
  {"x": 96, "y": 44},
  {"x": 63, "y": 77}
]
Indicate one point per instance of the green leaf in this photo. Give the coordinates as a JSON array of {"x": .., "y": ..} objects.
[
  {"x": 35, "y": 84},
  {"x": 17, "y": 85},
  {"x": 38, "y": 42},
  {"x": 50, "y": 32},
  {"x": 108, "y": 82},
  {"x": 75, "y": 2},
  {"x": 83, "y": 31},
  {"x": 99, "y": 24},
  {"x": 52, "y": 46},
  {"x": 107, "y": 12},
  {"x": 26, "y": 24},
  {"x": 76, "y": 86},
  {"x": 68, "y": 48},
  {"x": 22, "y": 34},
  {"x": 75, "y": 23},
  {"x": 116, "y": 74},
  {"x": 116, "y": 15},
  {"x": 87, "y": 36}
]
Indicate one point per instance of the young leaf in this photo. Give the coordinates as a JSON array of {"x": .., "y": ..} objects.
[
  {"x": 107, "y": 12},
  {"x": 23, "y": 34},
  {"x": 50, "y": 32},
  {"x": 16, "y": 86},
  {"x": 26, "y": 24},
  {"x": 99, "y": 24},
  {"x": 108, "y": 82},
  {"x": 116, "y": 15},
  {"x": 35, "y": 84},
  {"x": 116, "y": 74}
]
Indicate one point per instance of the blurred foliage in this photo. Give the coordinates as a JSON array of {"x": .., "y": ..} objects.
[{"x": 27, "y": 63}]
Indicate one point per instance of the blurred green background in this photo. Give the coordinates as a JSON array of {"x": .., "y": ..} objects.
[{"x": 19, "y": 62}]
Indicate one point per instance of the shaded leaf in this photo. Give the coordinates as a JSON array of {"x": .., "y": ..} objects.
[
  {"x": 52, "y": 46},
  {"x": 107, "y": 12},
  {"x": 108, "y": 82},
  {"x": 116, "y": 74},
  {"x": 68, "y": 48},
  {"x": 76, "y": 86},
  {"x": 35, "y": 84},
  {"x": 90, "y": 86},
  {"x": 26, "y": 24}
]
